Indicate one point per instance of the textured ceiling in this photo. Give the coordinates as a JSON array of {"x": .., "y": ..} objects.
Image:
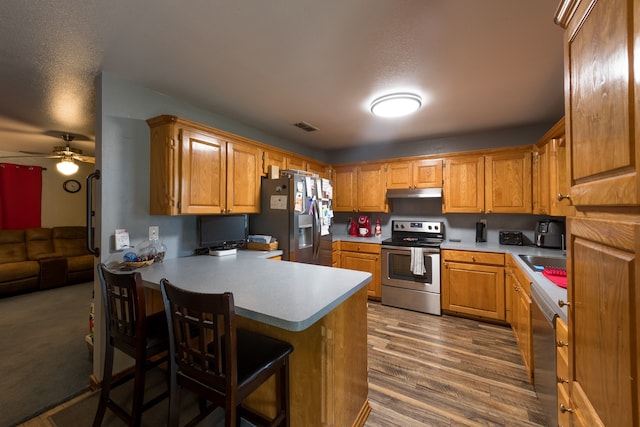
[{"x": 480, "y": 65}]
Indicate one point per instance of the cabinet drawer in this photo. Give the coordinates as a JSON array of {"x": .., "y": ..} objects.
[
  {"x": 474, "y": 257},
  {"x": 370, "y": 248}
]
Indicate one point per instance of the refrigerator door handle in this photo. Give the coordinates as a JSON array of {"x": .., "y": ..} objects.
[{"x": 316, "y": 229}]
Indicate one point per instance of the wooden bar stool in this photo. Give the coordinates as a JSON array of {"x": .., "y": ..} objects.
[
  {"x": 218, "y": 362},
  {"x": 129, "y": 329}
]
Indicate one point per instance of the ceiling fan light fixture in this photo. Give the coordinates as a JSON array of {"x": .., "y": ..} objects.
[
  {"x": 396, "y": 104},
  {"x": 67, "y": 166}
]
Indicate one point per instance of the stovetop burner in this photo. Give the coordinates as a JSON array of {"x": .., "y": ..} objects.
[{"x": 416, "y": 234}]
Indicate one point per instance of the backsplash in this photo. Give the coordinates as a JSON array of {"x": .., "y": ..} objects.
[{"x": 457, "y": 226}]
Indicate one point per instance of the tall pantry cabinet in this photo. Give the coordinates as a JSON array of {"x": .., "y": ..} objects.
[{"x": 602, "y": 49}]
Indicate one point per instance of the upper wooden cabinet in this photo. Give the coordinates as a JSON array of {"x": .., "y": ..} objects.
[
  {"x": 550, "y": 177},
  {"x": 601, "y": 101},
  {"x": 508, "y": 182},
  {"x": 286, "y": 160},
  {"x": 463, "y": 188},
  {"x": 498, "y": 182},
  {"x": 410, "y": 174},
  {"x": 360, "y": 188},
  {"x": 195, "y": 170}
]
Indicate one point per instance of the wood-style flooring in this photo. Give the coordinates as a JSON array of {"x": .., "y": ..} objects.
[
  {"x": 437, "y": 371},
  {"x": 445, "y": 371}
]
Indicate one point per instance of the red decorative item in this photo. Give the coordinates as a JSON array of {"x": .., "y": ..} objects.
[
  {"x": 364, "y": 226},
  {"x": 353, "y": 228},
  {"x": 378, "y": 228}
]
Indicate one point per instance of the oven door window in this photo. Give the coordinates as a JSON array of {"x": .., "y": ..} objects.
[{"x": 400, "y": 268}]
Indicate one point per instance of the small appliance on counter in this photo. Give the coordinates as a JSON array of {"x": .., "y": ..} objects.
[
  {"x": 511, "y": 238},
  {"x": 550, "y": 234},
  {"x": 480, "y": 231},
  {"x": 364, "y": 226}
]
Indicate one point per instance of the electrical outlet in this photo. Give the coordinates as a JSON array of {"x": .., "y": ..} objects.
[{"x": 154, "y": 232}]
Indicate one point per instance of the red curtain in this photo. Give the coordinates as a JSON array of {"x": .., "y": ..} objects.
[{"x": 20, "y": 196}]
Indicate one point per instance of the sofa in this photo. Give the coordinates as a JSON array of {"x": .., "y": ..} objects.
[{"x": 42, "y": 258}]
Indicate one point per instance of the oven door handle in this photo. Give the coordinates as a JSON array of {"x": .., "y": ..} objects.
[{"x": 426, "y": 250}]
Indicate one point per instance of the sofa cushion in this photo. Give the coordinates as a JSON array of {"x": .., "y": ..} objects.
[
  {"x": 14, "y": 271},
  {"x": 12, "y": 246},
  {"x": 70, "y": 241},
  {"x": 79, "y": 263},
  {"x": 39, "y": 243}
]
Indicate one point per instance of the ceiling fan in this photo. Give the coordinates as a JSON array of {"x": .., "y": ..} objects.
[{"x": 67, "y": 155}]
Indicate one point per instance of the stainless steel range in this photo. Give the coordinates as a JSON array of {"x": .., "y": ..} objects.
[{"x": 411, "y": 266}]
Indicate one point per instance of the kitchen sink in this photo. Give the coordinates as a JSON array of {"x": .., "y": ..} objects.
[{"x": 538, "y": 262}]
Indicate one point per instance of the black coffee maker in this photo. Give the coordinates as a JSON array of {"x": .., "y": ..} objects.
[{"x": 480, "y": 231}]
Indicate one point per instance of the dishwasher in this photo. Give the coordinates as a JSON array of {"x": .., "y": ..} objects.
[{"x": 543, "y": 319}]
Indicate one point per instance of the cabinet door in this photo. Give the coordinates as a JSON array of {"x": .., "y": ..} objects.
[
  {"x": 541, "y": 180},
  {"x": 474, "y": 289},
  {"x": 400, "y": 175},
  {"x": 463, "y": 188},
  {"x": 524, "y": 328},
  {"x": 508, "y": 183},
  {"x": 601, "y": 104},
  {"x": 243, "y": 178},
  {"x": 344, "y": 189},
  {"x": 560, "y": 188},
  {"x": 203, "y": 178},
  {"x": 297, "y": 163},
  {"x": 321, "y": 169},
  {"x": 369, "y": 263},
  {"x": 427, "y": 173},
  {"x": 602, "y": 267},
  {"x": 371, "y": 189},
  {"x": 275, "y": 158}
]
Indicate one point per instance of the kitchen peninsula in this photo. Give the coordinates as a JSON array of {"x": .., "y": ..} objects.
[{"x": 321, "y": 311}]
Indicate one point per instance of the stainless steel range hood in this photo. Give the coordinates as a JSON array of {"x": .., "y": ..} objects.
[{"x": 416, "y": 193}]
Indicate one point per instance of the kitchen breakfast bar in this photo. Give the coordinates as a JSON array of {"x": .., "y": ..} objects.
[{"x": 321, "y": 311}]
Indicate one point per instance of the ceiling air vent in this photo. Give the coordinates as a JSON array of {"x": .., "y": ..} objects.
[{"x": 305, "y": 126}]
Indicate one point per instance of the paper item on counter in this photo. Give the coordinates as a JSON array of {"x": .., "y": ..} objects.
[{"x": 259, "y": 238}]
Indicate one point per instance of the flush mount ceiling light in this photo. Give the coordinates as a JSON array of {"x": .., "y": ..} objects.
[
  {"x": 396, "y": 104},
  {"x": 67, "y": 166}
]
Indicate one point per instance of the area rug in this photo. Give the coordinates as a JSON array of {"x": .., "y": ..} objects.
[
  {"x": 82, "y": 412},
  {"x": 44, "y": 359}
]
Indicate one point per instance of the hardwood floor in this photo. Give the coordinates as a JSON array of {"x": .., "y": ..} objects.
[
  {"x": 445, "y": 371},
  {"x": 437, "y": 371}
]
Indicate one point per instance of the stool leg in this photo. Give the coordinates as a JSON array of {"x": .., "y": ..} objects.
[
  {"x": 284, "y": 391},
  {"x": 138, "y": 389},
  {"x": 106, "y": 384}
]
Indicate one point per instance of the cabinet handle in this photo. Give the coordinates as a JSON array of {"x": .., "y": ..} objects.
[
  {"x": 562, "y": 380},
  {"x": 560, "y": 197},
  {"x": 473, "y": 258},
  {"x": 562, "y": 303},
  {"x": 561, "y": 343},
  {"x": 564, "y": 409}
]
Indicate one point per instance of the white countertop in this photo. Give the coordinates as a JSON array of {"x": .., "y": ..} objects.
[
  {"x": 545, "y": 287},
  {"x": 288, "y": 295}
]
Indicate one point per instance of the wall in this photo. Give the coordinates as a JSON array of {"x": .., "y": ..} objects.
[
  {"x": 59, "y": 207},
  {"x": 523, "y": 135}
]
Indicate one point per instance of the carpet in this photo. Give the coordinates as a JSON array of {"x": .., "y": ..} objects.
[
  {"x": 82, "y": 412},
  {"x": 44, "y": 359}
]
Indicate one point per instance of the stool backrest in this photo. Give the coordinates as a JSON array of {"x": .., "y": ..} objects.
[
  {"x": 125, "y": 311},
  {"x": 202, "y": 335}
]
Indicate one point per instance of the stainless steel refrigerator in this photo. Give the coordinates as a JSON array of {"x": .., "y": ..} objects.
[{"x": 296, "y": 210}]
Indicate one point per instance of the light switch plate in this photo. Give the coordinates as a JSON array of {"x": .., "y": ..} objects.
[{"x": 154, "y": 232}]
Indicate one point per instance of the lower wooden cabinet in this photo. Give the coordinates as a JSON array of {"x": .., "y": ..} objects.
[
  {"x": 363, "y": 257},
  {"x": 562, "y": 373},
  {"x": 518, "y": 293},
  {"x": 473, "y": 284}
]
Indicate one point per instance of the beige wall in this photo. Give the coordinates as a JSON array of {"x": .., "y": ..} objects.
[{"x": 58, "y": 206}]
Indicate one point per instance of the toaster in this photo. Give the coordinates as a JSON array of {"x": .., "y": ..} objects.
[
  {"x": 550, "y": 234},
  {"x": 511, "y": 238}
]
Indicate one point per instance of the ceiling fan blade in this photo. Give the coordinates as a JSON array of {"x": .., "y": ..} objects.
[{"x": 85, "y": 159}]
